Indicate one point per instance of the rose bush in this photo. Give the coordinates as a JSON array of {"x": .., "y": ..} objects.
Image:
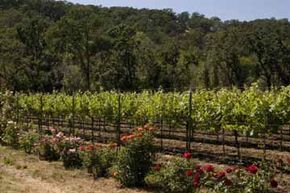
[
  {"x": 56, "y": 146},
  {"x": 183, "y": 175},
  {"x": 10, "y": 134},
  {"x": 98, "y": 159},
  {"x": 174, "y": 176},
  {"x": 136, "y": 157},
  {"x": 27, "y": 141},
  {"x": 68, "y": 147}
]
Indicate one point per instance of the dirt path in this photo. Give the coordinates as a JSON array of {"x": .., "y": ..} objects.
[{"x": 21, "y": 173}]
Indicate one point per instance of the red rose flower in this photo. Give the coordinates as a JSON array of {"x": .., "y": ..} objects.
[
  {"x": 82, "y": 148},
  {"x": 196, "y": 180},
  {"x": 90, "y": 147},
  {"x": 220, "y": 175},
  {"x": 187, "y": 155},
  {"x": 252, "y": 169},
  {"x": 274, "y": 183},
  {"x": 189, "y": 173},
  {"x": 208, "y": 168},
  {"x": 288, "y": 160}
]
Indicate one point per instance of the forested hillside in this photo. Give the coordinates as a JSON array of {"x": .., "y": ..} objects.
[{"x": 48, "y": 45}]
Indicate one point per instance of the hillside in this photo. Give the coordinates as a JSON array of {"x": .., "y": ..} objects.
[{"x": 50, "y": 45}]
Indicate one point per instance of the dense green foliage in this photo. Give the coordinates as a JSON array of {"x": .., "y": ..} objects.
[
  {"x": 248, "y": 110},
  {"x": 48, "y": 45},
  {"x": 136, "y": 157}
]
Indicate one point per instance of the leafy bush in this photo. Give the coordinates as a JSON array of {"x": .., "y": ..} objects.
[
  {"x": 28, "y": 140},
  {"x": 50, "y": 147},
  {"x": 284, "y": 165},
  {"x": 173, "y": 176},
  {"x": 7, "y": 113},
  {"x": 98, "y": 160},
  {"x": 136, "y": 157},
  {"x": 47, "y": 149},
  {"x": 179, "y": 175},
  {"x": 252, "y": 179},
  {"x": 68, "y": 147},
  {"x": 10, "y": 135},
  {"x": 71, "y": 159}
]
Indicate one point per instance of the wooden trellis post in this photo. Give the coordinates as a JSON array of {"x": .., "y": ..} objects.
[
  {"x": 189, "y": 129},
  {"x": 237, "y": 144},
  {"x": 17, "y": 109},
  {"x": 118, "y": 122},
  {"x": 40, "y": 115},
  {"x": 72, "y": 129}
]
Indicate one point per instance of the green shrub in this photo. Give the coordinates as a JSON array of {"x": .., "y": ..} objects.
[
  {"x": 98, "y": 160},
  {"x": 180, "y": 175},
  {"x": 71, "y": 159},
  {"x": 51, "y": 147},
  {"x": 28, "y": 140},
  {"x": 254, "y": 179},
  {"x": 172, "y": 176},
  {"x": 48, "y": 149},
  {"x": 135, "y": 158},
  {"x": 68, "y": 147},
  {"x": 10, "y": 135}
]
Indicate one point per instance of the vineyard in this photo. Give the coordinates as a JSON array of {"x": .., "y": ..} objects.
[
  {"x": 110, "y": 133},
  {"x": 228, "y": 119}
]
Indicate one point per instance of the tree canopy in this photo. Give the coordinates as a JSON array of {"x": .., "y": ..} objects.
[{"x": 48, "y": 45}]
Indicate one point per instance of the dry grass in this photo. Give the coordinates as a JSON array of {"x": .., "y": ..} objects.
[{"x": 21, "y": 173}]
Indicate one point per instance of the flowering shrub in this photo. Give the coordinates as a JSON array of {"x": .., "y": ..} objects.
[
  {"x": 71, "y": 158},
  {"x": 250, "y": 179},
  {"x": 47, "y": 148},
  {"x": 182, "y": 175},
  {"x": 56, "y": 146},
  {"x": 68, "y": 147},
  {"x": 28, "y": 140},
  {"x": 10, "y": 135},
  {"x": 173, "y": 176},
  {"x": 135, "y": 158},
  {"x": 98, "y": 159}
]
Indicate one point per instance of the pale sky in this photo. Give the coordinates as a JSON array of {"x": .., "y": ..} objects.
[{"x": 224, "y": 9}]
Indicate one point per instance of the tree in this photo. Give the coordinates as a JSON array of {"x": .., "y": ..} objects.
[
  {"x": 38, "y": 64},
  {"x": 148, "y": 69},
  {"x": 268, "y": 45},
  {"x": 224, "y": 52},
  {"x": 76, "y": 37},
  {"x": 123, "y": 57}
]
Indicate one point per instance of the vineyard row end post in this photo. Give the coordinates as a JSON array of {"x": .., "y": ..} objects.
[
  {"x": 189, "y": 129},
  {"x": 118, "y": 121}
]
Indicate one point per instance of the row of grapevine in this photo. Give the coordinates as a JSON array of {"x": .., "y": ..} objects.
[{"x": 250, "y": 110}]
